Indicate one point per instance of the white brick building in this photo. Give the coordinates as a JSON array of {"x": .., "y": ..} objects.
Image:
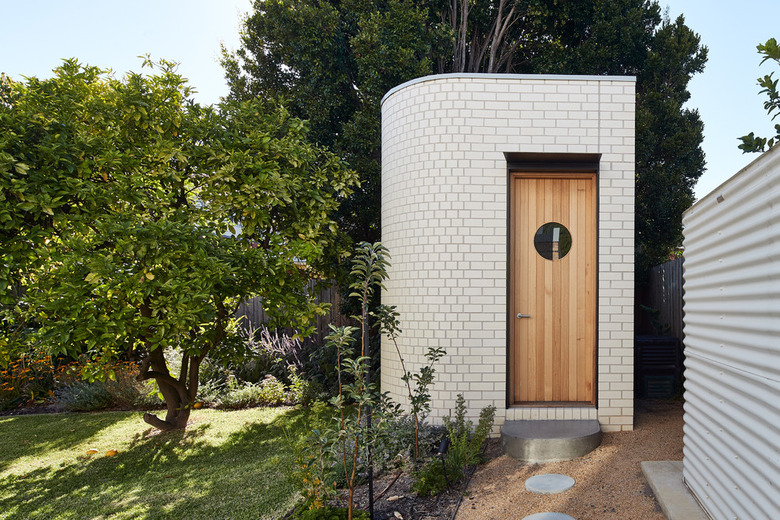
[{"x": 467, "y": 161}]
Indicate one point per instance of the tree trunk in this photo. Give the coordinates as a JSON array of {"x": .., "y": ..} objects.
[
  {"x": 178, "y": 394},
  {"x": 175, "y": 419},
  {"x": 178, "y": 400}
]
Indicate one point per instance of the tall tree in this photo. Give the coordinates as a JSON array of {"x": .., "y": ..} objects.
[
  {"x": 135, "y": 220},
  {"x": 300, "y": 48},
  {"x": 751, "y": 143},
  {"x": 631, "y": 37},
  {"x": 332, "y": 62}
]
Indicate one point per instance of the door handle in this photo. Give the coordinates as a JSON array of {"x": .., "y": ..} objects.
[{"x": 521, "y": 315}]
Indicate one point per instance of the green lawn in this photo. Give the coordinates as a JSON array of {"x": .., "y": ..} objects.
[{"x": 226, "y": 465}]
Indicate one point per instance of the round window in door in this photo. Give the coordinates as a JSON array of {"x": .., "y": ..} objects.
[{"x": 552, "y": 241}]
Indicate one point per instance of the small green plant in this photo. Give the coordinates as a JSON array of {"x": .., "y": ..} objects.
[
  {"x": 210, "y": 392},
  {"x": 272, "y": 391},
  {"x": 357, "y": 398},
  {"x": 465, "y": 449},
  {"x": 302, "y": 391},
  {"x": 331, "y": 513},
  {"x": 420, "y": 397},
  {"x": 429, "y": 479},
  {"x": 312, "y": 471}
]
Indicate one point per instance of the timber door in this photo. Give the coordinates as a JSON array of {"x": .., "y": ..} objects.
[{"x": 552, "y": 353}]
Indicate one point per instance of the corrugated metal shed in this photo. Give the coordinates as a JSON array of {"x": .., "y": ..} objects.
[{"x": 732, "y": 345}]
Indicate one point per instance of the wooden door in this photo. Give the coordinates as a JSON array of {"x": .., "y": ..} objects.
[{"x": 553, "y": 288}]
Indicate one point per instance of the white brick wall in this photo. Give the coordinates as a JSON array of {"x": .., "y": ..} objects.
[{"x": 444, "y": 220}]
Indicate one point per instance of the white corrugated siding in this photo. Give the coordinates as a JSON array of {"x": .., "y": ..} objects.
[{"x": 732, "y": 345}]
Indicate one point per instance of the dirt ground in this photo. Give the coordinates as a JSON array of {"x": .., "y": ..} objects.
[{"x": 609, "y": 480}]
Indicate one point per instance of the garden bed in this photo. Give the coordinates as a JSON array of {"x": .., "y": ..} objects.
[{"x": 393, "y": 495}]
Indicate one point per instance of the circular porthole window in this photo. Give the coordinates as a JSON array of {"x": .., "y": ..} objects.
[{"x": 552, "y": 241}]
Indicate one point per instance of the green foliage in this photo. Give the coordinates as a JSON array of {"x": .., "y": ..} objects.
[
  {"x": 82, "y": 396},
  {"x": 419, "y": 397},
  {"x": 27, "y": 380},
  {"x": 301, "y": 390},
  {"x": 314, "y": 470},
  {"x": 361, "y": 414},
  {"x": 751, "y": 143},
  {"x": 209, "y": 393},
  {"x": 122, "y": 391},
  {"x": 42, "y": 380},
  {"x": 668, "y": 147},
  {"x": 245, "y": 396},
  {"x": 465, "y": 449},
  {"x": 133, "y": 220},
  {"x": 270, "y": 392},
  {"x": 466, "y": 445},
  {"x": 430, "y": 479},
  {"x": 334, "y": 61}
]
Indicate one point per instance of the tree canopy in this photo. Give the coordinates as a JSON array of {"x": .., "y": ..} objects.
[
  {"x": 334, "y": 60},
  {"x": 133, "y": 220},
  {"x": 752, "y": 143}
]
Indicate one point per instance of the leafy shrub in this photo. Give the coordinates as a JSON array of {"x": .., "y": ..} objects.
[
  {"x": 465, "y": 449},
  {"x": 118, "y": 389},
  {"x": 82, "y": 396},
  {"x": 244, "y": 396},
  {"x": 430, "y": 480},
  {"x": 27, "y": 380},
  {"x": 269, "y": 352},
  {"x": 212, "y": 373},
  {"x": 330, "y": 513},
  {"x": 314, "y": 469},
  {"x": 272, "y": 391},
  {"x": 303, "y": 391},
  {"x": 127, "y": 392},
  {"x": 395, "y": 440},
  {"x": 210, "y": 392}
]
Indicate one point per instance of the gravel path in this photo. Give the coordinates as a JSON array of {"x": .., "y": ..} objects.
[{"x": 609, "y": 481}]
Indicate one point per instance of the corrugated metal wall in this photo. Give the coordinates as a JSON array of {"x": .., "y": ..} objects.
[{"x": 732, "y": 339}]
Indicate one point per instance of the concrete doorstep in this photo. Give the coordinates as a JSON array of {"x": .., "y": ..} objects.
[{"x": 666, "y": 481}]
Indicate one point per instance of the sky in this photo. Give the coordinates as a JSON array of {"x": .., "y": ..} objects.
[{"x": 38, "y": 34}]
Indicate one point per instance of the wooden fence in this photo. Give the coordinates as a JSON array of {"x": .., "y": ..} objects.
[
  {"x": 659, "y": 309},
  {"x": 252, "y": 311}
]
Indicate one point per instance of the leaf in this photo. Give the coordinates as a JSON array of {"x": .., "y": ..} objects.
[
  {"x": 149, "y": 276},
  {"x": 92, "y": 278}
]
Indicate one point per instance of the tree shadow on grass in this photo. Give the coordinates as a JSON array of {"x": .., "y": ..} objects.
[
  {"x": 168, "y": 475},
  {"x": 29, "y": 435}
]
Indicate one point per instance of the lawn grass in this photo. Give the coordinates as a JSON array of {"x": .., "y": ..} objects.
[{"x": 226, "y": 465}]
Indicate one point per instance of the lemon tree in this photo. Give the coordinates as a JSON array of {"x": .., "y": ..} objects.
[{"x": 133, "y": 220}]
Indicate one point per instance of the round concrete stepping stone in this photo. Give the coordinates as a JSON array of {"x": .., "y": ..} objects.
[
  {"x": 548, "y": 516},
  {"x": 549, "y": 484}
]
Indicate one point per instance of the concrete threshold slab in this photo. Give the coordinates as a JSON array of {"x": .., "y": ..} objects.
[
  {"x": 550, "y": 440},
  {"x": 666, "y": 481}
]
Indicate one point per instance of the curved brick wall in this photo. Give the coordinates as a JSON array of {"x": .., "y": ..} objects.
[{"x": 444, "y": 220}]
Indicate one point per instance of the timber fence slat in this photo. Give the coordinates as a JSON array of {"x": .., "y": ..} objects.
[{"x": 252, "y": 311}]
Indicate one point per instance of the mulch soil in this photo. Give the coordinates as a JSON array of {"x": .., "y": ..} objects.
[{"x": 395, "y": 500}]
